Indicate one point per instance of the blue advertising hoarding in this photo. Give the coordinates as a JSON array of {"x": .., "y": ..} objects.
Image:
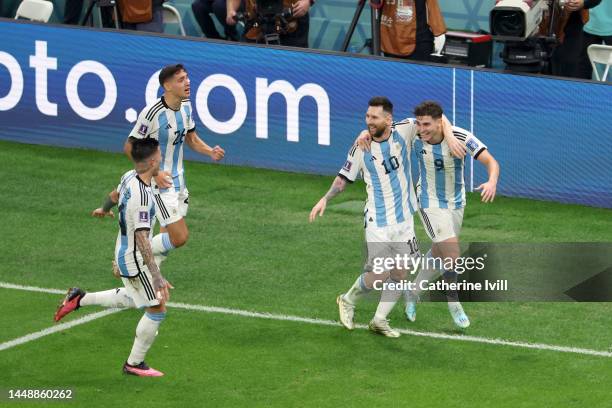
[{"x": 300, "y": 111}]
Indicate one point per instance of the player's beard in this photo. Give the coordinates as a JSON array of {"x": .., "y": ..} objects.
[{"x": 378, "y": 132}]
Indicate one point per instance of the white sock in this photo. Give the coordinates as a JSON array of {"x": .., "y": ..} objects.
[
  {"x": 145, "y": 336},
  {"x": 357, "y": 291},
  {"x": 429, "y": 274},
  {"x": 108, "y": 298},
  {"x": 388, "y": 299},
  {"x": 161, "y": 245}
]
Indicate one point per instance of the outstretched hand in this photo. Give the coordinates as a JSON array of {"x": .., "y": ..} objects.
[
  {"x": 100, "y": 213},
  {"x": 487, "y": 191},
  {"x": 318, "y": 209}
]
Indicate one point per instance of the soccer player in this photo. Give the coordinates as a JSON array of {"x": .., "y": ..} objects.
[
  {"x": 441, "y": 196},
  {"x": 144, "y": 285},
  {"x": 391, "y": 202},
  {"x": 170, "y": 121}
]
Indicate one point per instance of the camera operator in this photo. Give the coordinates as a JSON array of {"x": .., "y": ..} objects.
[
  {"x": 573, "y": 15},
  {"x": 292, "y": 31},
  {"x": 412, "y": 29}
]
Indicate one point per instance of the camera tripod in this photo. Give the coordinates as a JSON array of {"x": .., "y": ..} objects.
[
  {"x": 372, "y": 43},
  {"x": 533, "y": 54}
]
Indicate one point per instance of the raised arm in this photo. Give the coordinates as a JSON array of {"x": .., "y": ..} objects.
[
  {"x": 337, "y": 187},
  {"x": 195, "y": 143},
  {"x": 160, "y": 285},
  {"x": 488, "y": 188}
]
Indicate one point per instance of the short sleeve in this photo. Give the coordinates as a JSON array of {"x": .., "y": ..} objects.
[
  {"x": 352, "y": 165},
  {"x": 407, "y": 129},
  {"x": 139, "y": 209},
  {"x": 141, "y": 216},
  {"x": 191, "y": 126},
  {"x": 474, "y": 145},
  {"x": 143, "y": 127}
]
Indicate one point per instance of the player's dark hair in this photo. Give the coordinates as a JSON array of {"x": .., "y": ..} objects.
[
  {"x": 143, "y": 149},
  {"x": 429, "y": 108},
  {"x": 168, "y": 72},
  {"x": 383, "y": 101}
]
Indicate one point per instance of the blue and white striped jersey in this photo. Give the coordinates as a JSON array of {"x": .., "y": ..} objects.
[
  {"x": 386, "y": 172},
  {"x": 441, "y": 182},
  {"x": 169, "y": 127},
  {"x": 136, "y": 212}
]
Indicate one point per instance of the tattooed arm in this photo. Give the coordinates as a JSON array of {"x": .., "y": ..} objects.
[
  {"x": 337, "y": 187},
  {"x": 159, "y": 283}
]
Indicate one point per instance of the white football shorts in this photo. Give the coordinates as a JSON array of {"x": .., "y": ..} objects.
[
  {"x": 171, "y": 206},
  {"x": 388, "y": 242},
  {"x": 441, "y": 223},
  {"x": 140, "y": 288}
]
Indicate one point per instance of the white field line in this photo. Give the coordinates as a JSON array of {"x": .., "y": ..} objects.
[
  {"x": 57, "y": 328},
  {"x": 321, "y": 322}
]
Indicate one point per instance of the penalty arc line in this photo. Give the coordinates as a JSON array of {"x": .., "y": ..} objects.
[{"x": 307, "y": 320}]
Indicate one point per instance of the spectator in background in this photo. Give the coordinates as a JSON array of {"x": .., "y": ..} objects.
[
  {"x": 295, "y": 32},
  {"x": 568, "y": 29},
  {"x": 412, "y": 29},
  {"x": 597, "y": 30},
  {"x": 201, "y": 11},
  {"x": 155, "y": 25},
  {"x": 73, "y": 9}
]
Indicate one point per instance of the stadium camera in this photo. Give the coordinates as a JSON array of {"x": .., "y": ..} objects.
[
  {"x": 528, "y": 43},
  {"x": 516, "y": 20}
]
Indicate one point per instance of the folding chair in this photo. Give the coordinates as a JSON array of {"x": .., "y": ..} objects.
[
  {"x": 35, "y": 10},
  {"x": 600, "y": 54},
  {"x": 172, "y": 16}
]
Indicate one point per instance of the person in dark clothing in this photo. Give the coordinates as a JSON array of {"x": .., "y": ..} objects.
[
  {"x": 295, "y": 31},
  {"x": 201, "y": 11},
  {"x": 565, "y": 59},
  {"x": 596, "y": 31},
  {"x": 73, "y": 9}
]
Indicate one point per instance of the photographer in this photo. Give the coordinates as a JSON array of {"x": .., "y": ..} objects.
[
  {"x": 292, "y": 30},
  {"x": 412, "y": 29}
]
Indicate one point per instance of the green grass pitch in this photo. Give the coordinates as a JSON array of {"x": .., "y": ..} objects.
[{"x": 251, "y": 248}]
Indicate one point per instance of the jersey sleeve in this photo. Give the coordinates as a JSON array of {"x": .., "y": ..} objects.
[
  {"x": 143, "y": 127},
  {"x": 407, "y": 129},
  {"x": 191, "y": 126},
  {"x": 352, "y": 165},
  {"x": 472, "y": 143},
  {"x": 139, "y": 210}
]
